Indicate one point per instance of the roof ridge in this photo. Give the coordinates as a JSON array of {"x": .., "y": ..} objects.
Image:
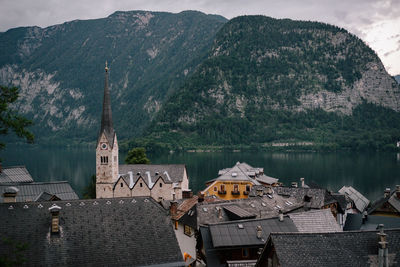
[{"x": 330, "y": 233}]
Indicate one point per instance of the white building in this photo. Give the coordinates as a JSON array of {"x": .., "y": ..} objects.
[{"x": 161, "y": 182}]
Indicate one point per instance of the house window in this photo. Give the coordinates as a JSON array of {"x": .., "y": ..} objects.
[
  {"x": 141, "y": 185},
  {"x": 248, "y": 188},
  {"x": 245, "y": 252},
  {"x": 215, "y": 189},
  {"x": 188, "y": 230},
  {"x": 222, "y": 187},
  {"x": 122, "y": 185},
  {"x": 160, "y": 184},
  {"x": 236, "y": 187}
]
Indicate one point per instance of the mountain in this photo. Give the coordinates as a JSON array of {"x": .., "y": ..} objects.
[
  {"x": 278, "y": 80},
  {"x": 397, "y": 78},
  {"x": 60, "y": 69}
]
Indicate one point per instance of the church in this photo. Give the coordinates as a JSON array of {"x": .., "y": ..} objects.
[{"x": 161, "y": 182}]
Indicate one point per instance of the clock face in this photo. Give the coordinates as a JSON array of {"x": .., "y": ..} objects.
[{"x": 103, "y": 146}]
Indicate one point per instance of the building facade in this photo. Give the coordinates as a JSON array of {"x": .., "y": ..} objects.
[{"x": 161, "y": 182}]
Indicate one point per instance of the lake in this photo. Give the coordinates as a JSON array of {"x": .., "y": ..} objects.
[{"x": 370, "y": 173}]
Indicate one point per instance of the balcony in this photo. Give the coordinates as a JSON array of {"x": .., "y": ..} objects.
[
  {"x": 246, "y": 193},
  {"x": 235, "y": 192},
  {"x": 222, "y": 192}
]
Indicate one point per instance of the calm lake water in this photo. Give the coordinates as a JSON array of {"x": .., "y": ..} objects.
[{"x": 370, "y": 173}]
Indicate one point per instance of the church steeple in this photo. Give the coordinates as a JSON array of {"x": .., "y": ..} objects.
[
  {"x": 107, "y": 167},
  {"x": 106, "y": 117}
]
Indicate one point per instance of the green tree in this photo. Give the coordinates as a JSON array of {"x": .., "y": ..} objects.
[
  {"x": 10, "y": 119},
  {"x": 137, "y": 155},
  {"x": 89, "y": 192}
]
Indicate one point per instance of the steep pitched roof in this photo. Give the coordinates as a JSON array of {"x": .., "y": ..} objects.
[
  {"x": 332, "y": 249},
  {"x": 15, "y": 174},
  {"x": 32, "y": 191},
  {"x": 315, "y": 221},
  {"x": 244, "y": 233},
  {"x": 170, "y": 173},
  {"x": 359, "y": 200},
  {"x": 110, "y": 232},
  {"x": 106, "y": 116}
]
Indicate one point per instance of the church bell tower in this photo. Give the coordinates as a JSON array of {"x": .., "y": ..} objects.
[{"x": 106, "y": 149}]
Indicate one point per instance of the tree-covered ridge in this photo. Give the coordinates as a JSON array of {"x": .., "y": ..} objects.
[
  {"x": 149, "y": 55},
  {"x": 249, "y": 90}
]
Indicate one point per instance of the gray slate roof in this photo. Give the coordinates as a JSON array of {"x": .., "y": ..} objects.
[
  {"x": 317, "y": 196},
  {"x": 315, "y": 221},
  {"x": 359, "y": 200},
  {"x": 15, "y": 174},
  {"x": 32, "y": 191},
  {"x": 333, "y": 249},
  {"x": 264, "y": 207},
  {"x": 230, "y": 235},
  {"x": 108, "y": 232},
  {"x": 169, "y": 172},
  {"x": 355, "y": 222}
]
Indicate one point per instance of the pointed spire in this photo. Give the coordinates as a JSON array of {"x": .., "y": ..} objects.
[{"x": 106, "y": 117}]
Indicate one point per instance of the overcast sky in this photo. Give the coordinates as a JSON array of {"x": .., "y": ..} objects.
[{"x": 377, "y": 22}]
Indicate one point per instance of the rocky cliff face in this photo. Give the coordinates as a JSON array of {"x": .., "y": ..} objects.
[
  {"x": 60, "y": 69},
  {"x": 272, "y": 76}
]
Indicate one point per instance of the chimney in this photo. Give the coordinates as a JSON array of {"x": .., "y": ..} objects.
[
  {"x": 302, "y": 182},
  {"x": 280, "y": 216},
  {"x": 219, "y": 209},
  {"x": 383, "y": 259},
  {"x": 260, "y": 192},
  {"x": 294, "y": 184},
  {"x": 269, "y": 190},
  {"x": 55, "y": 219},
  {"x": 201, "y": 197},
  {"x": 259, "y": 231},
  {"x": 173, "y": 208},
  {"x": 364, "y": 217},
  {"x": 386, "y": 193},
  {"x": 10, "y": 194},
  {"x": 398, "y": 191}
]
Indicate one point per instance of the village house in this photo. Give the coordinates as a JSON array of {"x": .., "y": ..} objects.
[
  {"x": 161, "y": 182},
  {"x": 360, "y": 202},
  {"x": 388, "y": 205},
  {"x": 353, "y": 248},
  {"x": 238, "y": 243},
  {"x": 183, "y": 214},
  {"x": 108, "y": 232},
  {"x": 17, "y": 185},
  {"x": 236, "y": 182}
]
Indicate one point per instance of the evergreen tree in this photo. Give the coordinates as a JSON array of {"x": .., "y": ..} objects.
[
  {"x": 10, "y": 119},
  {"x": 137, "y": 155}
]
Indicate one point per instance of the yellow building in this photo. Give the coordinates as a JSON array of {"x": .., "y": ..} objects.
[{"x": 236, "y": 182}]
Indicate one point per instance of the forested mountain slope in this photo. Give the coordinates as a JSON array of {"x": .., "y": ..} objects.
[
  {"x": 272, "y": 80},
  {"x": 60, "y": 69}
]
